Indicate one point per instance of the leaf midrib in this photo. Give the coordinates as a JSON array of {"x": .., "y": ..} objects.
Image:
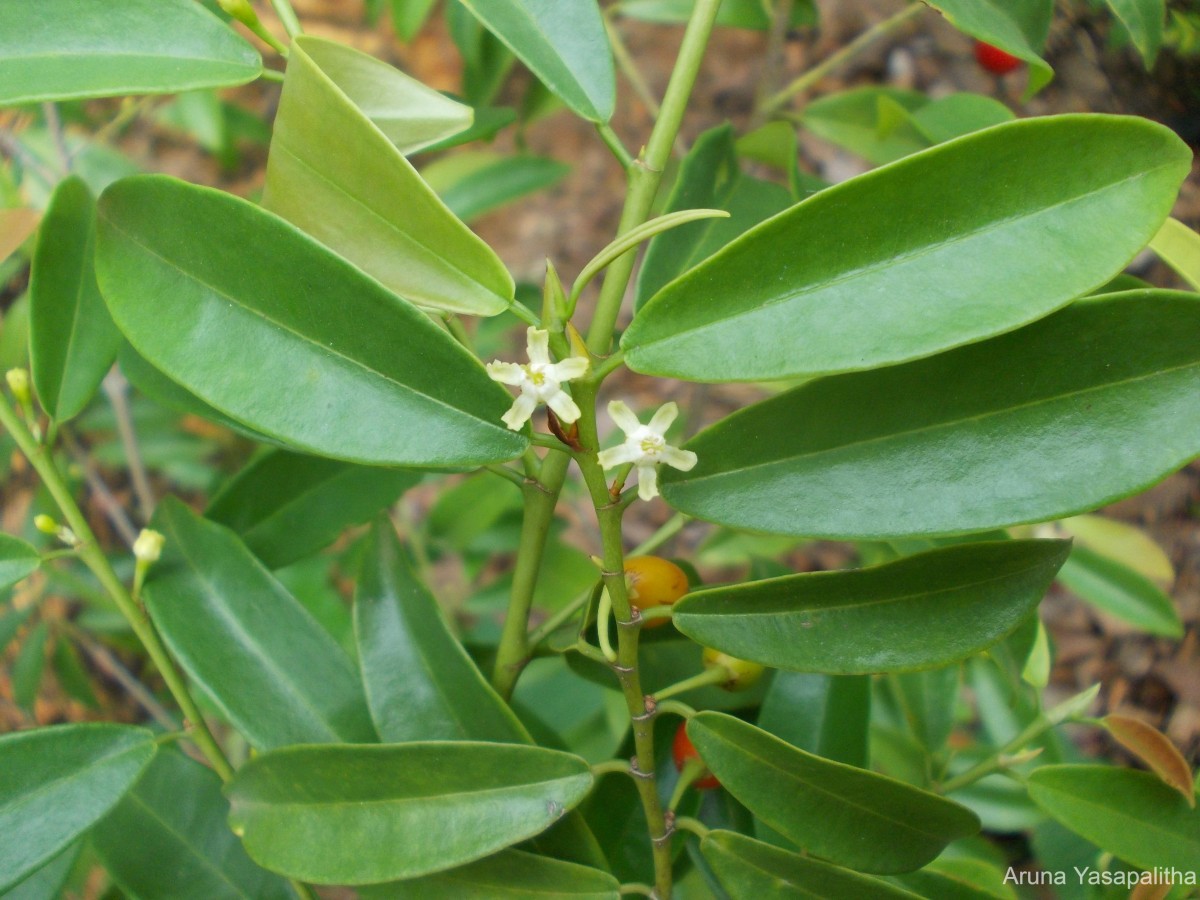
[
  {"x": 93, "y": 54},
  {"x": 49, "y": 786}
]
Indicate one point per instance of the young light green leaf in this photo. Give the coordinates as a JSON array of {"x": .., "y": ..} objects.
[
  {"x": 286, "y": 506},
  {"x": 1121, "y": 592},
  {"x": 750, "y": 868},
  {"x": 1018, "y": 28},
  {"x": 420, "y": 683},
  {"x": 918, "y": 257},
  {"x": 17, "y": 560},
  {"x": 74, "y": 49},
  {"x": 269, "y": 666},
  {"x": 1045, "y": 422},
  {"x": 733, "y": 13},
  {"x": 1179, "y": 247},
  {"x": 16, "y": 225},
  {"x": 848, "y": 816},
  {"x": 336, "y": 175},
  {"x": 58, "y": 782},
  {"x": 827, "y": 715},
  {"x": 295, "y": 370},
  {"x": 564, "y": 44},
  {"x": 72, "y": 338},
  {"x": 1128, "y": 813},
  {"x": 630, "y": 239},
  {"x": 1143, "y": 19},
  {"x": 1122, "y": 542},
  {"x": 916, "y": 613},
  {"x": 168, "y": 839},
  {"x": 364, "y": 815},
  {"x": 510, "y": 875}
]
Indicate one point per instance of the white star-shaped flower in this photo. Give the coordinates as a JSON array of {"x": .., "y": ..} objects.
[
  {"x": 540, "y": 381},
  {"x": 646, "y": 446}
]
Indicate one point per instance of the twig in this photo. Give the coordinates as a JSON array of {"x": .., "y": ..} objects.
[
  {"x": 116, "y": 388},
  {"x": 112, "y": 667},
  {"x": 111, "y": 506}
]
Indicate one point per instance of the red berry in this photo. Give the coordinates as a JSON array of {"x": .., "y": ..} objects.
[
  {"x": 683, "y": 749},
  {"x": 994, "y": 59}
]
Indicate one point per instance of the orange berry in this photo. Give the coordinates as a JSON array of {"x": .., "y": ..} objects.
[{"x": 654, "y": 581}]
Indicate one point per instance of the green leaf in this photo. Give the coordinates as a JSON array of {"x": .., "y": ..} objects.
[
  {"x": 1018, "y": 27},
  {"x": 286, "y": 506},
  {"x": 1131, "y": 814},
  {"x": 1179, "y": 247},
  {"x": 511, "y": 875},
  {"x": 918, "y": 257},
  {"x": 489, "y": 180},
  {"x": 11, "y": 622},
  {"x": 916, "y": 613},
  {"x": 72, "y": 339},
  {"x": 1143, "y": 19},
  {"x": 363, "y": 815},
  {"x": 750, "y": 868},
  {"x": 848, "y": 816},
  {"x": 28, "y": 667},
  {"x": 58, "y": 783},
  {"x": 827, "y": 715},
  {"x": 564, "y": 44},
  {"x": 17, "y": 560},
  {"x": 409, "y": 15},
  {"x": 168, "y": 839},
  {"x": 1119, "y": 591},
  {"x": 420, "y": 683},
  {"x": 1127, "y": 544},
  {"x": 1046, "y": 422},
  {"x": 961, "y": 879},
  {"x": 256, "y": 342},
  {"x": 72, "y": 677},
  {"x": 74, "y": 49},
  {"x": 733, "y": 13},
  {"x": 709, "y": 177},
  {"x": 486, "y": 61},
  {"x": 46, "y": 883},
  {"x": 334, "y": 173},
  {"x": 271, "y": 669}
]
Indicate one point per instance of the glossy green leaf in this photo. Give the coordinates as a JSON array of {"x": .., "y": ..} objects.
[
  {"x": 960, "y": 879},
  {"x": 168, "y": 839},
  {"x": 73, "y": 49},
  {"x": 58, "y": 782},
  {"x": 733, "y": 13},
  {"x": 563, "y": 43},
  {"x": 271, "y": 669},
  {"x": 48, "y": 882},
  {"x": 286, "y": 506},
  {"x": 918, "y": 612},
  {"x": 1035, "y": 425},
  {"x": 709, "y": 177},
  {"x": 750, "y": 868},
  {"x": 363, "y": 815},
  {"x": 16, "y": 227},
  {"x": 17, "y": 560},
  {"x": 29, "y": 665},
  {"x": 490, "y": 180},
  {"x": 511, "y": 875},
  {"x": 72, "y": 339},
  {"x": 489, "y": 120},
  {"x": 928, "y": 699},
  {"x": 1143, "y": 19},
  {"x": 1118, "y": 590},
  {"x": 256, "y": 342},
  {"x": 1179, "y": 248},
  {"x": 1018, "y": 27},
  {"x": 334, "y": 173},
  {"x": 1131, "y": 814},
  {"x": 420, "y": 683},
  {"x": 827, "y": 715},
  {"x": 918, "y": 256},
  {"x": 848, "y": 816}
]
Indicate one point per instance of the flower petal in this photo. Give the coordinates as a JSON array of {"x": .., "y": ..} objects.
[
  {"x": 519, "y": 413},
  {"x": 618, "y": 456},
  {"x": 505, "y": 372},
  {"x": 569, "y": 368},
  {"x": 538, "y": 344},
  {"x": 666, "y": 414},
  {"x": 647, "y": 482},
  {"x": 623, "y": 416},
  {"x": 683, "y": 460},
  {"x": 564, "y": 407}
]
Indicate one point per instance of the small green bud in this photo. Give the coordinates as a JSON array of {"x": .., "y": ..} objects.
[
  {"x": 18, "y": 383},
  {"x": 45, "y": 524},
  {"x": 240, "y": 10},
  {"x": 148, "y": 546}
]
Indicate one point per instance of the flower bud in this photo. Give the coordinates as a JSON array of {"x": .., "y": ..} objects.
[
  {"x": 45, "y": 524},
  {"x": 18, "y": 383},
  {"x": 240, "y": 10},
  {"x": 148, "y": 546}
]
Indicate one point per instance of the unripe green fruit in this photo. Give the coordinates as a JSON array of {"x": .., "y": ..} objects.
[{"x": 743, "y": 674}]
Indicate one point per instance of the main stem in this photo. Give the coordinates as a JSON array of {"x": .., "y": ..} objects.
[{"x": 90, "y": 552}]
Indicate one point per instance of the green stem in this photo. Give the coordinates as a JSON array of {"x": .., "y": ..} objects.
[
  {"x": 627, "y": 65},
  {"x": 692, "y": 772},
  {"x": 715, "y": 675},
  {"x": 635, "y": 887},
  {"x": 842, "y": 56},
  {"x": 91, "y": 554},
  {"x": 695, "y": 826},
  {"x": 457, "y": 330},
  {"x": 506, "y": 473},
  {"x": 675, "y": 707},
  {"x": 646, "y": 172},
  {"x": 612, "y": 767},
  {"x": 608, "y": 365},
  {"x": 287, "y": 16},
  {"x": 624, "y": 157},
  {"x": 668, "y": 530},
  {"x": 560, "y": 618}
]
